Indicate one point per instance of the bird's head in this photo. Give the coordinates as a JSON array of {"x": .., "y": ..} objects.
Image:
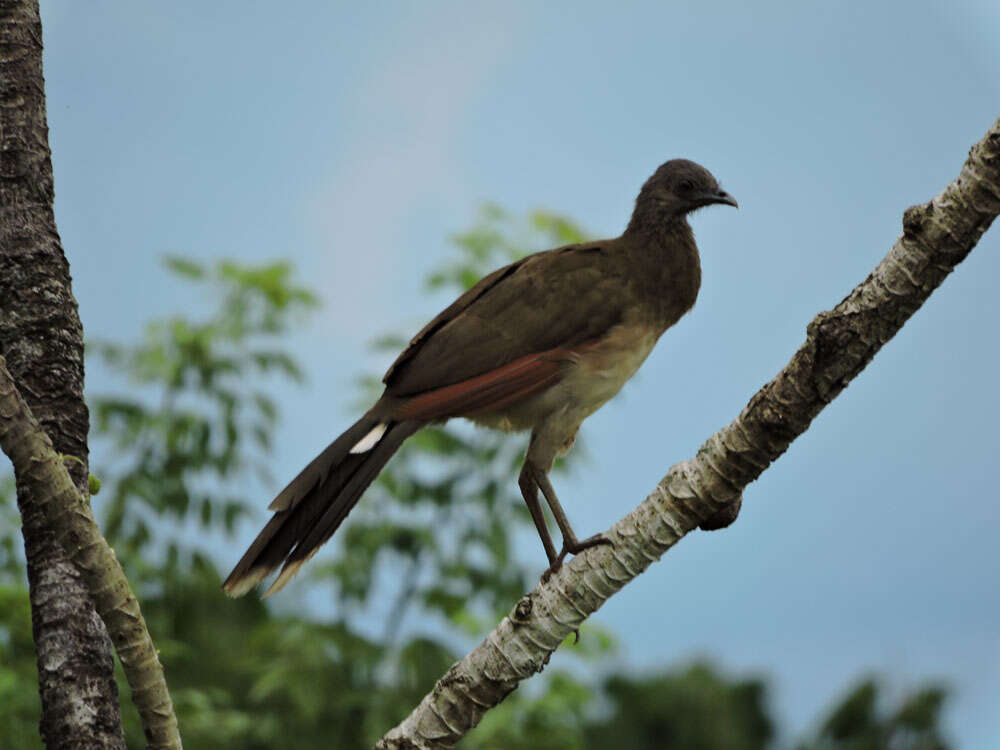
[{"x": 677, "y": 188}]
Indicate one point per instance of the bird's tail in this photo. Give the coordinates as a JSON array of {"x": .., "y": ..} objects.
[{"x": 316, "y": 502}]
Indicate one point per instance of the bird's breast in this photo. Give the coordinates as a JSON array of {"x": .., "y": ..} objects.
[{"x": 607, "y": 364}]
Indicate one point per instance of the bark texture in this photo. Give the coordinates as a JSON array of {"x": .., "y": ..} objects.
[
  {"x": 41, "y": 337},
  {"x": 839, "y": 344},
  {"x": 42, "y": 472}
]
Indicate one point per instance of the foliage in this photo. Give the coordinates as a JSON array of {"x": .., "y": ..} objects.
[
  {"x": 862, "y": 721},
  {"x": 198, "y": 417},
  {"x": 425, "y": 562},
  {"x": 693, "y": 707}
]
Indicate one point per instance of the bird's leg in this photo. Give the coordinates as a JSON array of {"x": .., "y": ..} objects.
[
  {"x": 529, "y": 489},
  {"x": 571, "y": 545}
]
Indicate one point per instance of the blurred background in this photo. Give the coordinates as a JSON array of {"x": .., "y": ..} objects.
[{"x": 259, "y": 203}]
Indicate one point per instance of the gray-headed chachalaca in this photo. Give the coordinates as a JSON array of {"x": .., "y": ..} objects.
[{"x": 537, "y": 345}]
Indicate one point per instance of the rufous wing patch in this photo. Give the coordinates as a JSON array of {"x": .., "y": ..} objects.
[{"x": 491, "y": 391}]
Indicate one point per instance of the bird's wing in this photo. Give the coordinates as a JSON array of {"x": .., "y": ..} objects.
[{"x": 511, "y": 333}]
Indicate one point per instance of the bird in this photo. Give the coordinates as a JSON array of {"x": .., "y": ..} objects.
[{"x": 536, "y": 346}]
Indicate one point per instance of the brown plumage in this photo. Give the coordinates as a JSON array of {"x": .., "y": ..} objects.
[{"x": 537, "y": 345}]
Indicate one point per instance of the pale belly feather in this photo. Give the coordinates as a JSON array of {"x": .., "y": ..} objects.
[{"x": 600, "y": 372}]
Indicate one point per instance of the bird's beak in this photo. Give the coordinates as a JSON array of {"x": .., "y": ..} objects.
[{"x": 721, "y": 196}]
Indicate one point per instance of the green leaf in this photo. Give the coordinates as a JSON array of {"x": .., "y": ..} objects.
[{"x": 184, "y": 267}]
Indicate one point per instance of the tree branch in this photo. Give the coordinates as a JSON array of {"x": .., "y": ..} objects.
[
  {"x": 39, "y": 469},
  {"x": 42, "y": 340},
  {"x": 839, "y": 344}
]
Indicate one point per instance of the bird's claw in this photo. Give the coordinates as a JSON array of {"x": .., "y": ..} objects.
[
  {"x": 554, "y": 566},
  {"x": 593, "y": 541},
  {"x": 574, "y": 548}
]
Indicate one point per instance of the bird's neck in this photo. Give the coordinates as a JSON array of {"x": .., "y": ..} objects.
[
  {"x": 658, "y": 228},
  {"x": 666, "y": 267}
]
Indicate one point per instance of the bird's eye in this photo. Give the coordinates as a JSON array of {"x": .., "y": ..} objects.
[{"x": 686, "y": 186}]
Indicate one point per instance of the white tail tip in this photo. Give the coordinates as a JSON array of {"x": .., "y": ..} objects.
[
  {"x": 286, "y": 575},
  {"x": 247, "y": 582},
  {"x": 370, "y": 440}
]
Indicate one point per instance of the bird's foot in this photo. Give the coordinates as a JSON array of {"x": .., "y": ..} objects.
[
  {"x": 574, "y": 547},
  {"x": 553, "y": 566}
]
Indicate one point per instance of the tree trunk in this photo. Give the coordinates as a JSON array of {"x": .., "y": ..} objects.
[
  {"x": 42, "y": 340},
  {"x": 937, "y": 236}
]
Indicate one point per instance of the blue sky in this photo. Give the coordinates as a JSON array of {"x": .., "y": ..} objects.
[{"x": 354, "y": 138}]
